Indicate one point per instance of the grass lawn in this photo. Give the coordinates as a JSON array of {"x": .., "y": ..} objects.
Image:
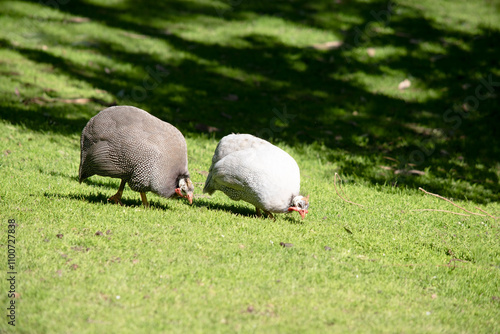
[{"x": 317, "y": 78}]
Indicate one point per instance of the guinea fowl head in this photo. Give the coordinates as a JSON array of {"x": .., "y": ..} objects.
[
  {"x": 300, "y": 204},
  {"x": 185, "y": 188}
]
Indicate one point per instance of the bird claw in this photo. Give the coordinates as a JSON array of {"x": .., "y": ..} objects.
[
  {"x": 266, "y": 213},
  {"x": 269, "y": 215},
  {"x": 115, "y": 199},
  {"x": 259, "y": 214}
]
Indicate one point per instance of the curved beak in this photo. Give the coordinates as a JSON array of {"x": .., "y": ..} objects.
[{"x": 190, "y": 198}]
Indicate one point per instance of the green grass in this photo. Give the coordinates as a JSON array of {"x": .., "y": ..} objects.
[{"x": 214, "y": 266}]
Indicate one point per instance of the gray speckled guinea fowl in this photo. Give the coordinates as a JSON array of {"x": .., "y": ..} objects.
[
  {"x": 130, "y": 144},
  {"x": 251, "y": 169}
]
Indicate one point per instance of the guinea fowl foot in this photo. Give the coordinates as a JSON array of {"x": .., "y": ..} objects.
[
  {"x": 259, "y": 213},
  {"x": 116, "y": 199},
  {"x": 269, "y": 215}
]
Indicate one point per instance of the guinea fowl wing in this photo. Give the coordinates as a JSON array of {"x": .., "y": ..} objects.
[{"x": 234, "y": 143}]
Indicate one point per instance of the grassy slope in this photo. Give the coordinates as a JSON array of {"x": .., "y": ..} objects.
[{"x": 214, "y": 266}]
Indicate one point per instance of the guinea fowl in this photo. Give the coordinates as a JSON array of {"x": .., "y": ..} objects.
[
  {"x": 248, "y": 168},
  {"x": 130, "y": 144}
]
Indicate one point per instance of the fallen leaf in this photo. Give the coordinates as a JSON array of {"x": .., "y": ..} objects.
[
  {"x": 7, "y": 152},
  {"x": 98, "y": 233},
  {"x": 17, "y": 92},
  {"x": 42, "y": 100},
  {"x": 371, "y": 52},
  {"x": 82, "y": 100},
  {"x": 80, "y": 249},
  {"x": 78, "y": 19},
  {"x": 347, "y": 230},
  {"x": 35, "y": 100},
  {"x": 328, "y": 45},
  {"x": 286, "y": 244},
  {"x": 434, "y": 296},
  {"x": 74, "y": 266},
  {"x": 392, "y": 159},
  {"x": 386, "y": 167},
  {"x": 223, "y": 114},
  {"x": 103, "y": 296},
  {"x": 231, "y": 97},
  {"x": 59, "y": 236},
  {"x": 135, "y": 261},
  {"x": 409, "y": 172},
  {"x": 401, "y": 34},
  {"x": 108, "y": 232},
  {"x": 327, "y": 248},
  {"x": 206, "y": 128},
  {"x": 404, "y": 84}
]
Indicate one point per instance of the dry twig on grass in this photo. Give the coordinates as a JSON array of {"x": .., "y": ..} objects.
[
  {"x": 436, "y": 210},
  {"x": 458, "y": 206},
  {"x": 335, "y": 184},
  {"x": 425, "y": 191}
]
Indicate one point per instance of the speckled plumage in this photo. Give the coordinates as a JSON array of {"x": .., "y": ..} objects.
[
  {"x": 251, "y": 169},
  {"x": 130, "y": 144}
]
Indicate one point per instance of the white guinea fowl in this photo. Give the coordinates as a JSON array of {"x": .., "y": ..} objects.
[{"x": 251, "y": 169}]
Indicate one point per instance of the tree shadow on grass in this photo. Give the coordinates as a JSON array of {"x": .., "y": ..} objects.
[
  {"x": 237, "y": 210},
  {"x": 100, "y": 198},
  {"x": 240, "y": 210},
  {"x": 326, "y": 102}
]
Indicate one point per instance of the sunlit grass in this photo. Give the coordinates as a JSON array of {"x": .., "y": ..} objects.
[{"x": 255, "y": 67}]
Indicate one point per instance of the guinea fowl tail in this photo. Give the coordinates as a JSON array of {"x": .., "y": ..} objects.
[
  {"x": 83, "y": 172},
  {"x": 80, "y": 176},
  {"x": 208, "y": 185}
]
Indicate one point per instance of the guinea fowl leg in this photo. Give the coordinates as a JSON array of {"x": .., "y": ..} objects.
[
  {"x": 259, "y": 214},
  {"x": 116, "y": 198},
  {"x": 144, "y": 200},
  {"x": 269, "y": 214}
]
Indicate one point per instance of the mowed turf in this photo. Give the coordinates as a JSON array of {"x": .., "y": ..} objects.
[{"x": 212, "y": 68}]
